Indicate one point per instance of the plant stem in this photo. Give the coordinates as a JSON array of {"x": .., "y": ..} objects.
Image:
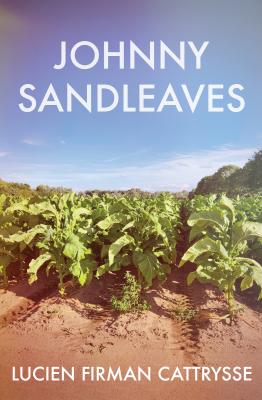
[
  {"x": 230, "y": 299},
  {"x": 61, "y": 282}
]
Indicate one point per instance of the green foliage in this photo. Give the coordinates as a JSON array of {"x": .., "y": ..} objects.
[
  {"x": 15, "y": 189},
  {"x": 78, "y": 236},
  {"x": 138, "y": 231},
  {"x": 183, "y": 313},
  {"x": 252, "y": 172},
  {"x": 12, "y": 219},
  {"x": 233, "y": 180},
  {"x": 62, "y": 239},
  {"x": 44, "y": 190},
  {"x": 202, "y": 203},
  {"x": 217, "y": 183},
  {"x": 220, "y": 243},
  {"x": 249, "y": 207},
  {"x": 130, "y": 299}
]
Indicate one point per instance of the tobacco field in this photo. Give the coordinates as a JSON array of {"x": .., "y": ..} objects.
[{"x": 82, "y": 237}]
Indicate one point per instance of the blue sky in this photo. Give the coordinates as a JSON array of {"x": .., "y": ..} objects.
[{"x": 153, "y": 151}]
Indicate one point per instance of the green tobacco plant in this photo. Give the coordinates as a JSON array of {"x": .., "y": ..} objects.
[
  {"x": 63, "y": 238},
  {"x": 130, "y": 299},
  {"x": 219, "y": 249},
  {"x": 139, "y": 231},
  {"x": 5, "y": 250},
  {"x": 250, "y": 207},
  {"x": 11, "y": 220},
  {"x": 77, "y": 235}
]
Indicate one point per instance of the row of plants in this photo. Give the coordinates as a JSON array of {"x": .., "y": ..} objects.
[
  {"x": 80, "y": 236},
  {"x": 84, "y": 236},
  {"x": 223, "y": 243}
]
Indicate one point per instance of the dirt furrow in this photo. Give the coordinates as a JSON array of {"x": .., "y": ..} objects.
[{"x": 16, "y": 307}]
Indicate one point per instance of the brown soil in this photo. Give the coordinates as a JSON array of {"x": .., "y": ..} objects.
[{"x": 41, "y": 328}]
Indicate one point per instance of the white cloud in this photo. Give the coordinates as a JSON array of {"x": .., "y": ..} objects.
[
  {"x": 32, "y": 141},
  {"x": 182, "y": 171},
  {"x": 3, "y": 153}
]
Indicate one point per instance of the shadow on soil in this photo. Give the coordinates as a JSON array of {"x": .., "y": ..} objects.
[{"x": 93, "y": 302}]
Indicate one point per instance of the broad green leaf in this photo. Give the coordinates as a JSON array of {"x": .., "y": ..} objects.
[
  {"x": 197, "y": 230},
  {"x": 83, "y": 270},
  {"x": 247, "y": 282},
  {"x": 102, "y": 269},
  {"x": 89, "y": 264},
  {"x": 75, "y": 268},
  {"x": 108, "y": 222},
  {"x": 20, "y": 206},
  {"x": 257, "y": 275},
  {"x": 207, "y": 218},
  {"x": 128, "y": 226},
  {"x": 245, "y": 230},
  {"x": 191, "y": 277},
  {"x": 148, "y": 264},
  {"x": 85, "y": 278},
  {"x": 115, "y": 247},
  {"x": 74, "y": 249},
  {"x": 44, "y": 208},
  {"x": 79, "y": 212},
  {"x": 28, "y": 236},
  {"x": 205, "y": 245},
  {"x": 35, "y": 264},
  {"x": 253, "y": 229},
  {"x": 249, "y": 261},
  {"x": 228, "y": 204}
]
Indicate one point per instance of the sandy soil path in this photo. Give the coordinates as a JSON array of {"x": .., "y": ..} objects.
[{"x": 82, "y": 330}]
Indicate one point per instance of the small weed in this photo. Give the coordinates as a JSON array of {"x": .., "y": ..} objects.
[
  {"x": 183, "y": 313},
  {"x": 130, "y": 299}
]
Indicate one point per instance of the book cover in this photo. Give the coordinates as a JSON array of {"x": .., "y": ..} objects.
[{"x": 130, "y": 200}]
